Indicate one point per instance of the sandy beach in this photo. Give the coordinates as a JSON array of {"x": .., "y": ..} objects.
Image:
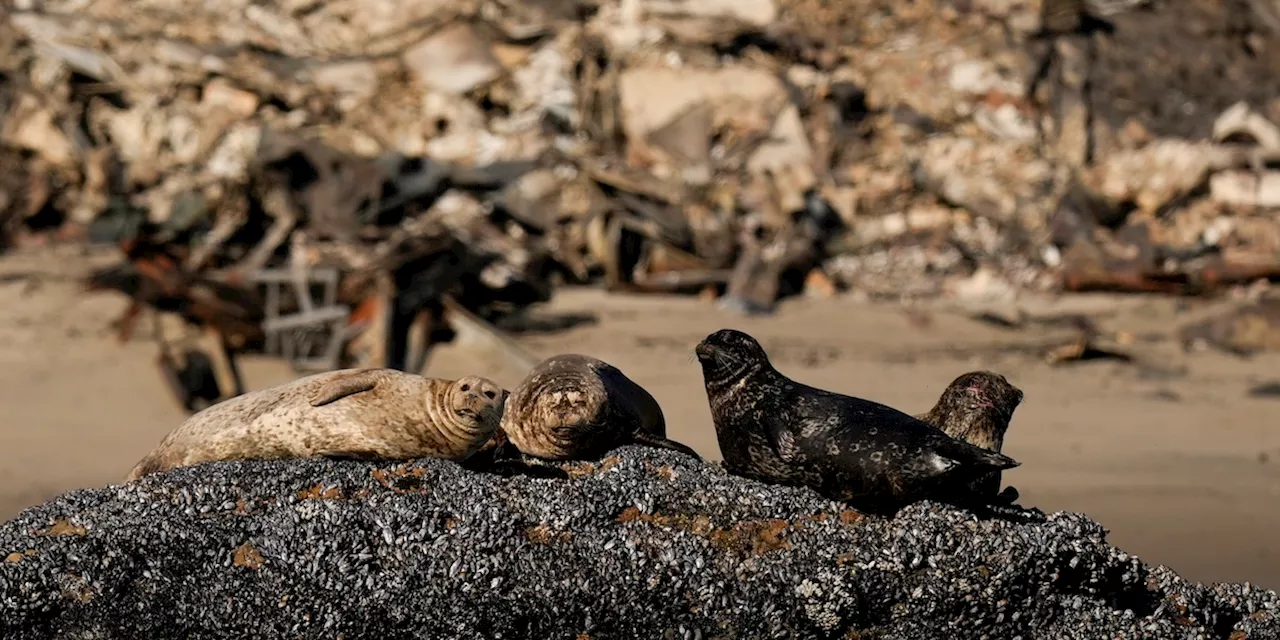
[{"x": 1168, "y": 452}]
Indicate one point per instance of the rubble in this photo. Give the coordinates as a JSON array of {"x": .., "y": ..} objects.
[
  {"x": 487, "y": 151},
  {"x": 641, "y": 543}
]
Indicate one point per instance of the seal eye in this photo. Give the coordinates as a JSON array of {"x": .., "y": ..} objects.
[
  {"x": 489, "y": 394},
  {"x": 466, "y": 386}
]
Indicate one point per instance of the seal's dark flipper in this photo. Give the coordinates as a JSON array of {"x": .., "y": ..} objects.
[
  {"x": 663, "y": 443},
  {"x": 990, "y": 459},
  {"x": 507, "y": 461},
  {"x": 1010, "y": 513},
  {"x": 784, "y": 444},
  {"x": 1008, "y": 496},
  {"x": 977, "y": 461},
  {"x": 993, "y": 508},
  {"x": 987, "y": 485},
  {"x": 341, "y": 387}
]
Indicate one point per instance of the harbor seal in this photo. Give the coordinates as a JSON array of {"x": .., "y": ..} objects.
[
  {"x": 871, "y": 456},
  {"x": 351, "y": 413},
  {"x": 977, "y": 408},
  {"x": 574, "y": 407}
]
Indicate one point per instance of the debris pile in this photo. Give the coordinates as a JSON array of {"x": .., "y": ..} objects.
[
  {"x": 645, "y": 543},
  {"x": 348, "y": 163}
]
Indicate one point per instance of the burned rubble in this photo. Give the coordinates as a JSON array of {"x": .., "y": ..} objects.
[
  {"x": 643, "y": 543},
  {"x": 325, "y": 181}
]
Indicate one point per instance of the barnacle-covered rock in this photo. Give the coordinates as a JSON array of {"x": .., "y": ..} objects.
[{"x": 644, "y": 544}]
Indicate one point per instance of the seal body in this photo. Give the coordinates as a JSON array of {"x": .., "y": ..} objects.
[
  {"x": 350, "y": 413},
  {"x": 773, "y": 429},
  {"x": 573, "y": 406},
  {"x": 977, "y": 408}
]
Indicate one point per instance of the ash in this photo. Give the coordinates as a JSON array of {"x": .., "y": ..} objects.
[{"x": 644, "y": 544}]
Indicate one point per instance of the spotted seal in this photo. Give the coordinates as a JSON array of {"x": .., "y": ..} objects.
[
  {"x": 350, "y": 413},
  {"x": 573, "y": 407},
  {"x": 977, "y": 408},
  {"x": 773, "y": 429}
]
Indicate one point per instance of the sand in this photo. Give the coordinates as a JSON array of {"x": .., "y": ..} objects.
[{"x": 1169, "y": 453}]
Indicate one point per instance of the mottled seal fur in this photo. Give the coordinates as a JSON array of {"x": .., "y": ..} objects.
[
  {"x": 350, "y": 413},
  {"x": 573, "y": 407},
  {"x": 774, "y": 429},
  {"x": 977, "y": 408}
]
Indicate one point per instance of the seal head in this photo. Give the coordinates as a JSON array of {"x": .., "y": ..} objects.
[
  {"x": 468, "y": 410},
  {"x": 977, "y": 408},
  {"x": 477, "y": 404},
  {"x": 729, "y": 356},
  {"x": 558, "y": 411},
  {"x": 575, "y": 407}
]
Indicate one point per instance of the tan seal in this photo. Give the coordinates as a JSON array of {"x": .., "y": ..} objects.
[
  {"x": 351, "y": 413},
  {"x": 574, "y": 407}
]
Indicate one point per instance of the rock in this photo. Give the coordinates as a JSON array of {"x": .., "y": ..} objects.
[
  {"x": 645, "y": 544},
  {"x": 1243, "y": 123},
  {"x": 454, "y": 60},
  {"x": 232, "y": 156},
  {"x": 652, "y": 97},
  {"x": 757, "y": 13},
  {"x": 220, "y": 94},
  {"x": 671, "y": 115},
  {"x": 358, "y": 78},
  {"x": 1154, "y": 175},
  {"x": 1006, "y": 122},
  {"x": 1246, "y": 188},
  {"x": 1001, "y": 180},
  {"x": 33, "y": 127},
  {"x": 979, "y": 77},
  {"x": 787, "y": 158},
  {"x": 889, "y": 227},
  {"x": 544, "y": 80},
  {"x": 984, "y": 286}
]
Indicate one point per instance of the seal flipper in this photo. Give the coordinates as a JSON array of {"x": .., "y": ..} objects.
[
  {"x": 989, "y": 485},
  {"x": 641, "y": 437},
  {"x": 1010, "y": 495},
  {"x": 978, "y": 461},
  {"x": 506, "y": 461},
  {"x": 343, "y": 386},
  {"x": 784, "y": 444},
  {"x": 992, "y": 507}
]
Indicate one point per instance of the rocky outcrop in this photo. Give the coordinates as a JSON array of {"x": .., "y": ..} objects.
[{"x": 646, "y": 544}]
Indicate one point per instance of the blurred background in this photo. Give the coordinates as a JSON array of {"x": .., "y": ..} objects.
[{"x": 200, "y": 200}]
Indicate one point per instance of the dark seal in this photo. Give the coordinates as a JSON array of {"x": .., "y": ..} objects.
[
  {"x": 874, "y": 457},
  {"x": 977, "y": 408},
  {"x": 576, "y": 407}
]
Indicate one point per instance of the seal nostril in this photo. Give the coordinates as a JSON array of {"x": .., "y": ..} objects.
[{"x": 466, "y": 387}]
